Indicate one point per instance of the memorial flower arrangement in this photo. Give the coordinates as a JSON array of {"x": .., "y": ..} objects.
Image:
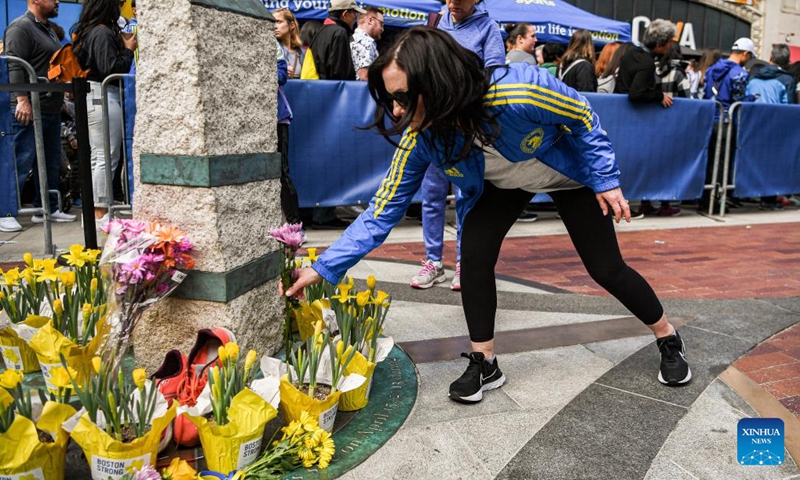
[
  {"x": 290, "y": 236},
  {"x": 29, "y": 444},
  {"x": 232, "y": 410},
  {"x": 71, "y": 296},
  {"x": 123, "y": 417},
  {"x": 303, "y": 443},
  {"x": 143, "y": 263}
]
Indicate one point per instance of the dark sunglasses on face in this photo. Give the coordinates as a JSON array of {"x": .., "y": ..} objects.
[{"x": 401, "y": 97}]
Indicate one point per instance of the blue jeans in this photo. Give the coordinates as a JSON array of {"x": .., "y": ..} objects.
[
  {"x": 25, "y": 156},
  {"x": 435, "y": 187}
]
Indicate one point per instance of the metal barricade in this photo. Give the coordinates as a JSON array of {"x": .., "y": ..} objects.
[
  {"x": 726, "y": 170},
  {"x": 714, "y": 186},
  {"x": 107, "y": 147},
  {"x": 41, "y": 164}
]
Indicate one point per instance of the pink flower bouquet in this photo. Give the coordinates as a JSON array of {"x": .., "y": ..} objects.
[
  {"x": 142, "y": 263},
  {"x": 291, "y": 237}
]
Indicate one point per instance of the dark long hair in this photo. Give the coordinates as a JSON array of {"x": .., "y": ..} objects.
[
  {"x": 94, "y": 13},
  {"x": 616, "y": 60},
  {"x": 452, "y": 83}
]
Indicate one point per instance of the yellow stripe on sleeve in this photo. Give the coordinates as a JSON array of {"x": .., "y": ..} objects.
[
  {"x": 398, "y": 165},
  {"x": 387, "y": 180},
  {"x": 517, "y": 86},
  {"x": 527, "y": 101},
  {"x": 582, "y": 110}
]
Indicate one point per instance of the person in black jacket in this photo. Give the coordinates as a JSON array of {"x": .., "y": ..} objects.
[
  {"x": 32, "y": 38},
  {"x": 637, "y": 70},
  {"x": 637, "y": 78},
  {"x": 104, "y": 51},
  {"x": 331, "y": 46},
  {"x": 577, "y": 64}
]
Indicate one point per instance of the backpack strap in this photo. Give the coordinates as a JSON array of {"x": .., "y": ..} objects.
[{"x": 564, "y": 73}]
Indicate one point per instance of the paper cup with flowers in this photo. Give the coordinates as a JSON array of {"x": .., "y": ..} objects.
[
  {"x": 360, "y": 318},
  {"x": 232, "y": 410},
  {"x": 15, "y": 344},
  {"x": 312, "y": 379},
  {"x": 121, "y": 423},
  {"x": 28, "y": 448}
]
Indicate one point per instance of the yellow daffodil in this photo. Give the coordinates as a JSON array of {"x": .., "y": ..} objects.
[
  {"x": 5, "y": 399},
  {"x": 362, "y": 298},
  {"x": 371, "y": 282},
  {"x": 2, "y": 295},
  {"x": 222, "y": 354},
  {"x": 215, "y": 375},
  {"x": 383, "y": 299},
  {"x": 249, "y": 360},
  {"x": 86, "y": 310},
  {"x": 29, "y": 275},
  {"x": 179, "y": 469},
  {"x": 232, "y": 350},
  {"x": 318, "y": 327},
  {"x": 339, "y": 348},
  {"x": 11, "y": 277},
  {"x": 90, "y": 255},
  {"x": 350, "y": 281},
  {"x": 298, "y": 263},
  {"x": 10, "y": 379},
  {"x": 28, "y": 259},
  {"x": 312, "y": 254},
  {"x": 68, "y": 278},
  {"x": 62, "y": 377},
  {"x": 96, "y": 364},
  {"x": 139, "y": 377},
  {"x": 344, "y": 288},
  {"x": 58, "y": 307},
  {"x": 49, "y": 271},
  {"x": 93, "y": 286},
  {"x": 75, "y": 256}
]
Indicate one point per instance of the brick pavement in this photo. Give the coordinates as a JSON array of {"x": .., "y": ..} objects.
[{"x": 712, "y": 262}]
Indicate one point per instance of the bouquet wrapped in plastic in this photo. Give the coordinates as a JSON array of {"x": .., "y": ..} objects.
[{"x": 142, "y": 263}]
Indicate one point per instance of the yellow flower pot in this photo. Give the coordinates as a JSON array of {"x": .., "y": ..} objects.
[
  {"x": 358, "y": 398},
  {"x": 49, "y": 344},
  {"x": 236, "y": 444},
  {"x": 110, "y": 459},
  {"x": 294, "y": 402},
  {"x": 16, "y": 352},
  {"x": 22, "y": 455}
]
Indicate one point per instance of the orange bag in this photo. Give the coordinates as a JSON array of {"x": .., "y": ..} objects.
[{"x": 64, "y": 66}]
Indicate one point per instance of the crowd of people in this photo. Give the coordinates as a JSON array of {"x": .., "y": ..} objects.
[{"x": 105, "y": 43}]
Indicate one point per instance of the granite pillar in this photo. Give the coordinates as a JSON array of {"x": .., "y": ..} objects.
[{"x": 205, "y": 161}]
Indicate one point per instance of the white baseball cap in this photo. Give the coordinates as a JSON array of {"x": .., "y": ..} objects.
[
  {"x": 744, "y": 44},
  {"x": 346, "y": 5}
]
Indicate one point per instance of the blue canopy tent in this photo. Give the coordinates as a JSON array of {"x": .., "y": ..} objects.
[
  {"x": 396, "y": 13},
  {"x": 556, "y": 20}
]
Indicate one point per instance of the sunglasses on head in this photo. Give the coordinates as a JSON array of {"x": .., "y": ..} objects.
[{"x": 401, "y": 97}]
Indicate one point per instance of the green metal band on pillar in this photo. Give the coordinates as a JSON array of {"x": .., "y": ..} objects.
[
  {"x": 209, "y": 170},
  {"x": 225, "y": 286},
  {"x": 248, "y": 8}
]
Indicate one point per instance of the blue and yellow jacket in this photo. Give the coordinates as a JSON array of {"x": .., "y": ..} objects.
[{"x": 539, "y": 117}]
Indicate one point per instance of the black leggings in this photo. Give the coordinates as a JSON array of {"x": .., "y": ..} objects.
[{"x": 594, "y": 238}]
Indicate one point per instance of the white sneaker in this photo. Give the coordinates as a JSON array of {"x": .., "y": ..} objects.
[
  {"x": 9, "y": 224},
  {"x": 431, "y": 274},
  {"x": 57, "y": 216}
]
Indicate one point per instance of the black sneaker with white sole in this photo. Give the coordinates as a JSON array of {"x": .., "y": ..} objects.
[
  {"x": 479, "y": 377},
  {"x": 674, "y": 369}
]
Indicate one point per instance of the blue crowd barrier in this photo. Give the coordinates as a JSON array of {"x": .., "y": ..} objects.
[
  {"x": 332, "y": 162},
  {"x": 8, "y": 180},
  {"x": 767, "y": 158},
  {"x": 662, "y": 152}
]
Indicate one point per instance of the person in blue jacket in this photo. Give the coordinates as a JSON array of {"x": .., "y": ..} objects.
[
  {"x": 501, "y": 136},
  {"x": 469, "y": 24}
]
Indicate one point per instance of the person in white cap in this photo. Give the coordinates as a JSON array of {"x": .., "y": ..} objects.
[{"x": 726, "y": 80}]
